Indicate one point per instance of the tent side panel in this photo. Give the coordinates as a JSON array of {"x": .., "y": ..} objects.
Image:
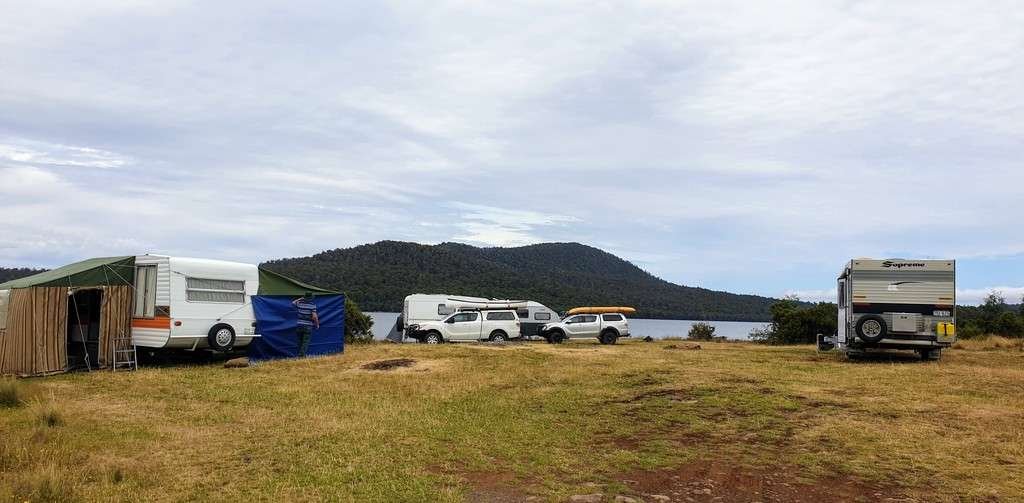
[
  {"x": 51, "y": 312},
  {"x": 36, "y": 338},
  {"x": 115, "y": 321}
]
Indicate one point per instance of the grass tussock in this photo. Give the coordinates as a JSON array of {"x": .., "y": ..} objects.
[
  {"x": 468, "y": 422},
  {"x": 12, "y": 392},
  {"x": 47, "y": 414},
  {"x": 990, "y": 343}
]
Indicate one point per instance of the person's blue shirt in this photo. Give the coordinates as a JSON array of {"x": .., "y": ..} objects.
[{"x": 306, "y": 309}]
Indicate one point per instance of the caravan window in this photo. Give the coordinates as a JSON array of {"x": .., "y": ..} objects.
[
  {"x": 443, "y": 310},
  {"x": 523, "y": 313},
  {"x": 542, "y": 316},
  {"x": 215, "y": 290},
  {"x": 145, "y": 291}
]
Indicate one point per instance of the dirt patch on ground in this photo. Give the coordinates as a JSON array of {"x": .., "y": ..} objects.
[
  {"x": 391, "y": 364},
  {"x": 492, "y": 486},
  {"x": 675, "y": 395},
  {"x": 721, "y": 481},
  {"x": 685, "y": 346}
]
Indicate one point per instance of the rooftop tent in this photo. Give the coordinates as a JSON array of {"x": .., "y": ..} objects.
[
  {"x": 66, "y": 315},
  {"x": 277, "y": 322}
]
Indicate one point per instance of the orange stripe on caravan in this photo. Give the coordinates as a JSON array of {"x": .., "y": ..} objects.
[{"x": 159, "y": 322}]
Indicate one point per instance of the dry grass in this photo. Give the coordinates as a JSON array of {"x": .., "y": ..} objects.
[
  {"x": 466, "y": 422},
  {"x": 12, "y": 393},
  {"x": 990, "y": 343}
]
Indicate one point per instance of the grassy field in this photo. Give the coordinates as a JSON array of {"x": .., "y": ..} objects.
[{"x": 736, "y": 422}]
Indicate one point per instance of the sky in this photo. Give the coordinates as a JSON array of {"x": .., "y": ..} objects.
[{"x": 751, "y": 147}]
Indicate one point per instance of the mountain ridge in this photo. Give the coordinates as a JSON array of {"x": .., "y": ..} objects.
[{"x": 560, "y": 275}]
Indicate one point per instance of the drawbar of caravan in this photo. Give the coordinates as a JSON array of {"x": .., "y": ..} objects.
[{"x": 897, "y": 304}]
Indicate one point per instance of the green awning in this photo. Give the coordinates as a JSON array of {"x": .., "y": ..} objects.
[
  {"x": 272, "y": 283},
  {"x": 103, "y": 271}
]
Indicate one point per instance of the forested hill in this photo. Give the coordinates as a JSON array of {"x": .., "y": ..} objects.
[{"x": 560, "y": 275}]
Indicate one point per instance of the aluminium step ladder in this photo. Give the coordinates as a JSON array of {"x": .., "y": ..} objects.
[{"x": 125, "y": 355}]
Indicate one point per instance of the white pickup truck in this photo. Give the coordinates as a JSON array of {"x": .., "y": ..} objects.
[
  {"x": 497, "y": 325},
  {"x": 607, "y": 328}
]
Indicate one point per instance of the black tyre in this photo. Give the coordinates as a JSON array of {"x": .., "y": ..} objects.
[
  {"x": 556, "y": 337},
  {"x": 432, "y": 338},
  {"x": 221, "y": 337},
  {"x": 872, "y": 329},
  {"x": 930, "y": 354},
  {"x": 608, "y": 337},
  {"x": 498, "y": 336}
]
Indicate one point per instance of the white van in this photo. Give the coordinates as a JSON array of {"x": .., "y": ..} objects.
[{"x": 191, "y": 303}]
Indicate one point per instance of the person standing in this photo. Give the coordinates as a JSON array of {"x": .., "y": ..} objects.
[{"x": 308, "y": 320}]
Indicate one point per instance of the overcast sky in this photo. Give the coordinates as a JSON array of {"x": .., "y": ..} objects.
[{"x": 747, "y": 146}]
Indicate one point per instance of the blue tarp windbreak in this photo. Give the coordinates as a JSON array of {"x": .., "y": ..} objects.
[{"x": 277, "y": 323}]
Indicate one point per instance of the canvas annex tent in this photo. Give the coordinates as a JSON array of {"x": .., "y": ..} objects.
[
  {"x": 66, "y": 317},
  {"x": 277, "y": 324}
]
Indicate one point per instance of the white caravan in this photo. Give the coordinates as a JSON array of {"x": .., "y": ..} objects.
[
  {"x": 897, "y": 304},
  {"x": 420, "y": 308},
  {"x": 191, "y": 303}
]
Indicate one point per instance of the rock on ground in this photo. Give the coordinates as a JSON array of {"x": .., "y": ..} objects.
[{"x": 237, "y": 363}]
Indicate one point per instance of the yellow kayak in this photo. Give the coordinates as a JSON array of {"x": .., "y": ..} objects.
[{"x": 602, "y": 310}]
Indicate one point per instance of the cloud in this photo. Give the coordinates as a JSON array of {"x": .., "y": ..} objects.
[
  {"x": 730, "y": 145},
  {"x": 491, "y": 226},
  {"x": 22, "y": 151}
]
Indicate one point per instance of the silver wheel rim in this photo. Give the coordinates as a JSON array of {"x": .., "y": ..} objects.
[
  {"x": 499, "y": 338},
  {"x": 432, "y": 339},
  {"x": 223, "y": 337},
  {"x": 872, "y": 328}
]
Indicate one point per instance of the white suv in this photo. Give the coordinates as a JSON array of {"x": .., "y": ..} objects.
[
  {"x": 498, "y": 325},
  {"x": 607, "y": 328}
]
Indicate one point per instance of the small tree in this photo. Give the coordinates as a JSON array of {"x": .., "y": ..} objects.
[
  {"x": 702, "y": 331},
  {"x": 358, "y": 325}
]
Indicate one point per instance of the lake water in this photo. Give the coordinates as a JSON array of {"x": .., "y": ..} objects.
[{"x": 657, "y": 329}]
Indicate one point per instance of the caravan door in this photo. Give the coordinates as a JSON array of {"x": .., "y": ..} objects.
[{"x": 841, "y": 297}]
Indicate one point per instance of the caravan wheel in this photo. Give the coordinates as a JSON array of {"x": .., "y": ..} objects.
[{"x": 221, "y": 338}]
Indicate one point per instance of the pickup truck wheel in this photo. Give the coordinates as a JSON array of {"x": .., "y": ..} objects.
[
  {"x": 608, "y": 337},
  {"x": 432, "y": 338},
  {"x": 498, "y": 336},
  {"x": 555, "y": 337}
]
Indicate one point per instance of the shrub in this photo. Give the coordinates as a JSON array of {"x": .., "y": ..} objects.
[
  {"x": 11, "y": 394},
  {"x": 702, "y": 331},
  {"x": 796, "y": 323},
  {"x": 358, "y": 325}
]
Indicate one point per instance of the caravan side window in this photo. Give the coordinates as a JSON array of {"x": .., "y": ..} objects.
[
  {"x": 444, "y": 310},
  {"x": 215, "y": 290},
  {"x": 145, "y": 291},
  {"x": 542, "y": 316}
]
